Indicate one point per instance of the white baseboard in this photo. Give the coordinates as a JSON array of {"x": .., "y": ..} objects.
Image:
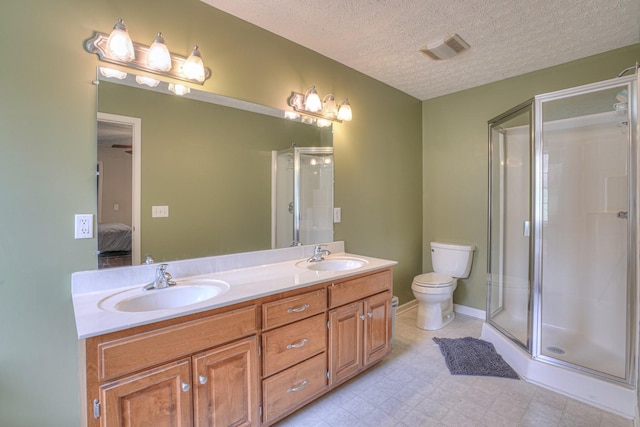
[
  {"x": 462, "y": 309},
  {"x": 470, "y": 311}
]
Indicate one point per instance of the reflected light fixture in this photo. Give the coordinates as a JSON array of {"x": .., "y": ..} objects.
[
  {"x": 111, "y": 73},
  {"x": 151, "y": 82},
  {"x": 179, "y": 89},
  {"x": 159, "y": 57},
  {"x": 117, "y": 48},
  {"x": 308, "y": 107}
]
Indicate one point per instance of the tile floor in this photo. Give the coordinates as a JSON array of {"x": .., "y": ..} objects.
[{"x": 412, "y": 387}]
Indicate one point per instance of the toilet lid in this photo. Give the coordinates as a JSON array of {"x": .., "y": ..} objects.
[{"x": 433, "y": 280}]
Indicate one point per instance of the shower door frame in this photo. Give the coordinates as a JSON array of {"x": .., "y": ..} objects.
[
  {"x": 633, "y": 162},
  {"x": 495, "y": 122},
  {"x": 532, "y": 346}
]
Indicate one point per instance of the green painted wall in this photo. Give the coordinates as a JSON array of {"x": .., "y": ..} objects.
[
  {"x": 455, "y": 161},
  {"x": 48, "y": 153}
]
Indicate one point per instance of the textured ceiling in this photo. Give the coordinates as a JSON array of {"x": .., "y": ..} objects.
[{"x": 382, "y": 38}]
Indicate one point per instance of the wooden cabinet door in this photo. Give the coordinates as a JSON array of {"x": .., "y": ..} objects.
[
  {"x": 345, "y": 341},
  {"x": 159, "y": 397},
  {"x": 226, "y": 385},
  {"x": 377, "y": 327}
]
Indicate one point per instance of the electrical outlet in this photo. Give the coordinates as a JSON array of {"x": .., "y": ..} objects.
[{"x": 84, "y": 226}]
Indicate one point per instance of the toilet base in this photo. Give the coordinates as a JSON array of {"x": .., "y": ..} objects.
[{"x": 432, "y": 317}]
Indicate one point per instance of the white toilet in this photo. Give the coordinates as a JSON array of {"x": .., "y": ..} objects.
[{"x": 434, "y": 291}]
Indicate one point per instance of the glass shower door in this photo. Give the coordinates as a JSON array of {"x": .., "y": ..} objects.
[
  {"x": 583, "y": 213},
  {"x": 508, "y": 294}
]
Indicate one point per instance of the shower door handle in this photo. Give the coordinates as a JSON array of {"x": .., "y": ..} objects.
[
  {"x": 622, "y": 215},
  {"x": 526, "y": 228}
]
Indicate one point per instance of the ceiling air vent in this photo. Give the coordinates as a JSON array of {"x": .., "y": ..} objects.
[{"x": 451, "y": 46}]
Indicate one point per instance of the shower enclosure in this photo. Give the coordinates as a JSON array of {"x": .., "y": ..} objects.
[
  {"x": 302, "y": 196},
  {"x": 563, "y": 229}
]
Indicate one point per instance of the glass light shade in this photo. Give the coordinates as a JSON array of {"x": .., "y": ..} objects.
[
  {"x": 147, "y": 81},
  {"x": 344, "y": 112},
  {"x": 179, "y": 89},
  {"x": 312, "y": 101},
  {"x": 111, "y": 73},
  {"x": 159, "y": 57},
  {"x": 329, "y": 109},
  {"x": 119, "y": 44},
  {"x": 323, "y": 123},
  {"x": 194, "y": 67}
]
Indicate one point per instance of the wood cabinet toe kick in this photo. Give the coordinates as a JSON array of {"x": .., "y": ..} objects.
[{"x": 249, "y": 364}]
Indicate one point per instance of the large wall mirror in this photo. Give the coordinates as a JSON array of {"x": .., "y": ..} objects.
[{"x": 194, "y": 172}]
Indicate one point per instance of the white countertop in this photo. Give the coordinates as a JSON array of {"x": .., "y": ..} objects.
[{"x": 248, "y": 275}]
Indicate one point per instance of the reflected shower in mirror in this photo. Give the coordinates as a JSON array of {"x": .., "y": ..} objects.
[{"x": 201, "y": 172}]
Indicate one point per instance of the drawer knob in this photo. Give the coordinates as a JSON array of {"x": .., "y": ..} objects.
[
  {"x": 298, "y": 309},
  {"x": 185, "y": 386},
  {"x": 298, "y": 344},
  {"x": 299, "y": 387},
  {"x": 202, "y": 379}
]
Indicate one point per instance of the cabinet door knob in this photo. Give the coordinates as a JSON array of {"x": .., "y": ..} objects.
[
  {"x": 298, "y": 344},
  {"x": 361, "y": 317},
  {"x": 298, "y": 309},
  {"x": 202, "y": 379},
  {"x": 370, "y": 314},
  {"x": 299, "y": 387},
  {"x": 185, "y": 386}
]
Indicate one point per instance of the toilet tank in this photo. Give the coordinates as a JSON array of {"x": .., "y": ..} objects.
[{"x": 452, "y": 260}]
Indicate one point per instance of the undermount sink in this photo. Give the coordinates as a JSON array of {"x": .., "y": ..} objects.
[
  {"x": 333, "y": 264},
  {"x": 185, "y": 293}
]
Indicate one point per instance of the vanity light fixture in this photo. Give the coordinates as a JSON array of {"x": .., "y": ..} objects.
[
  {"x": 159, "y": 57},
  {"x": 117, "y": 48},
  {"x": 321, "y": 112}
]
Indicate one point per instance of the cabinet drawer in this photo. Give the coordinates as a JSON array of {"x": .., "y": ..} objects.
[
  {"x": 288, "y": 345},
  {"x": 284, "y": 311},
  {"x": 129, "y": 354},
  {"x": 355, "y": 289},
  {"x": 284, "y": 391}
]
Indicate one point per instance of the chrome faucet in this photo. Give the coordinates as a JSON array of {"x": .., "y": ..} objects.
[
  {"x": 318, "y": 253},
  {"x": 162, "y": 280}
]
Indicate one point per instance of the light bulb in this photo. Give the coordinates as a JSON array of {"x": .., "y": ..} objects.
[
  {"x": 344, "y": 112},
  {"x": 159, "y": 57},
  {"x": 119, "y": 44},
  {"x": 329, "y": 109},
  {"x": 194, "y": 67},
  {"x": 323, "y": 123},
  {"x": 312, "y": 101}
]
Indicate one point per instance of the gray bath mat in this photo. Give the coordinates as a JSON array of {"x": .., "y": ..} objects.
[{"x": 471, "y": 356}]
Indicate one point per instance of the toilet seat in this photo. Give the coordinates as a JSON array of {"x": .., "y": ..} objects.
[{"x": 433, "y": 280}]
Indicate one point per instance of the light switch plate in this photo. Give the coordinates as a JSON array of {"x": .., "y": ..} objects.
[
  {"x": 159, "y": 211},
  {"x": 337, "y": 215}
]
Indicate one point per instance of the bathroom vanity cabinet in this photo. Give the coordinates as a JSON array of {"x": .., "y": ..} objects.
[
  {"x": 247, "y": 364},
  {"x": 359, "y": 324}
]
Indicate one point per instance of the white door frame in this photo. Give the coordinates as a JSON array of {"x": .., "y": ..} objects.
[{"x": 136, "y": 142}]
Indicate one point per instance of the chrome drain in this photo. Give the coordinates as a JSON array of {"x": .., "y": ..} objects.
[{"x": 555, "y": 350}]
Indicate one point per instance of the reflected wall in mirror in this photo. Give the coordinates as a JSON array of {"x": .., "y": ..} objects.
[{"x": 210, "y": 164}]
